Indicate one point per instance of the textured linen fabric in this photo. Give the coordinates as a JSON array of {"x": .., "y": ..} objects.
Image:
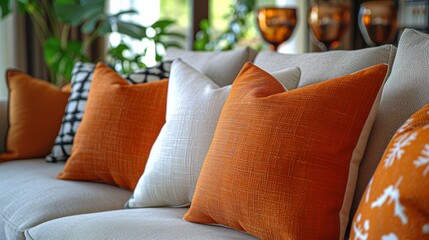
[
  {"x": 194, "y": 103},
  {"x": 80, "y": 86},
  {"x": 120, "y": 124},
  {"x": 221, "y": 66},
  {"x": 280, "y": 162},
  {"x": 317, "y": 67},
  {"x": 138, "y": 224},
  {"x": 3, "y": 123},
  {"x": 395, "y": 204},
  {"x": 30, "y": 195},
  {"x": 35, "y": 111}
]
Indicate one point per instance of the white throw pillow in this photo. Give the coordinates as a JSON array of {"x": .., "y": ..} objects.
[{"x": 194, "y": 103}]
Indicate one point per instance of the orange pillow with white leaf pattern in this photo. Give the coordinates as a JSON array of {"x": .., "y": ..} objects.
[{"x": 396, "y": 202}]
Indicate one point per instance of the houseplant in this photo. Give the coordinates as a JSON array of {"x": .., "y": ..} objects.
[
  {"x": 54, "y": 19},
  {"x": 238, "y": 18}
]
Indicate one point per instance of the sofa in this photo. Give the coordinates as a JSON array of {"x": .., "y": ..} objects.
[{"x": 34, "y": 204}]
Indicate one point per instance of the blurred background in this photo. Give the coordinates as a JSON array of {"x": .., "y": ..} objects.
[{"x": 46, "y": 37}]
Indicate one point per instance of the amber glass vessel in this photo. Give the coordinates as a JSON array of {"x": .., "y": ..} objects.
[
  {"x": 378, "y": 22},
  {"x": 276, "y": 24},
  {"x": 328, "y": 21}
]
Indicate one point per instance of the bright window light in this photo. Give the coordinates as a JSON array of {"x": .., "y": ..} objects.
[{"x": 148, "y": 12}]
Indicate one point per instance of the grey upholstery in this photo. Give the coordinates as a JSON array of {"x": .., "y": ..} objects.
[
  {"x": 221, "y": 67},
  {"x": 318, "y": 67},
  {"x": 138, "y": 224},
  {"x": 30, "y": 194}
]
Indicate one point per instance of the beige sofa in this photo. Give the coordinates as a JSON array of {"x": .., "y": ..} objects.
[{"x": 35, "y": 205}]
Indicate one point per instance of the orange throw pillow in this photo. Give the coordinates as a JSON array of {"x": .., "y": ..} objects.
[
  {"x": 36, "y": 109},
  {"x": 119, "y": 126},
  {"x": 396, "y": 202},
  {"x": 282, "y": 165}
]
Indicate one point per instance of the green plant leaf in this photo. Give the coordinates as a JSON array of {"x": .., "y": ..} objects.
[
  {"x": 131, "y": 11},
  {"x": 66, "y": 66},
  {"x": 61, "y": 60},
  {"x": 162, "y": 23},
  {"x": 118, "y": 52},
  {"x": 173, "y": 44},
  {"x": 75, "y": 12},
  {"x": 131, "y": 29},
  {"x": 237, "y": 27},
  {"x": 204, "y": 24},
  {"x": 89, "y": 26},
  {"x": 51, "y": 50},
  {"x": 105, "y": 27},
  {"x": 30, "y": 7},
  {"x": 6, "y": 7}
]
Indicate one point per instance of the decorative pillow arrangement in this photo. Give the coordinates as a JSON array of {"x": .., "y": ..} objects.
[
  {"x": 395, "y": 204},
  {"x": 282, "y": 165},
  {"x": 35, "y": 111},
  {"x": 120, "y": 124},
  {"x": 194, "y": 103},
  {"x": 81, "y": 82}
]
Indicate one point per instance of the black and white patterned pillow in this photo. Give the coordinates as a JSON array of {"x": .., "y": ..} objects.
[{"x": 80, "y": 86}]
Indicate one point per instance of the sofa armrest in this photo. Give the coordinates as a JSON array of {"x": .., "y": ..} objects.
[{"x": 3, "y": 122}]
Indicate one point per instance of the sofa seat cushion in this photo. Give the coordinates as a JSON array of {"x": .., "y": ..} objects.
[
  {"x": 30, "y": 195},
  {"x": 142, "y": 223}
]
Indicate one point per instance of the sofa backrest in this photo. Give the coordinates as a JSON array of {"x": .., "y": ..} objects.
[
  {"x": 221, "y": 67},
  {"x": 318, "y": 67},
  {"x": 405, "y": 92}
]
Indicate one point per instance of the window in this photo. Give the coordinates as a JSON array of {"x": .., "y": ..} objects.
[
  {"x": 149, "y": 11},
  {"x": 219, "y": 10}
]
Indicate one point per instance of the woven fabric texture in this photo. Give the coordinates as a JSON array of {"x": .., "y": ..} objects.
[
  {"x": 279, "y": 162},
  {"x": 395, "y": 204},
  {"x": 135, "y": 224},
  {"x": 193, "y": 107},
  {"x": 317, "y": 67},
  {"x": 35, "y": 111},
  {"x": 37, "y": 196},
  {"x": 120, "y": 124},
  {"x": 80, "y": 85}
]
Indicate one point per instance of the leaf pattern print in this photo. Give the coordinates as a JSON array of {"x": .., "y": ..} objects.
[
  {"x": 360, "y": 231},
  {"x": 392, "y": 194},
  {"x": 423, "y": 160},
  {"x": 395, "y": 200},
  {"x": 405, "y": 125},
  {"x": 390, "y": 236},
  {"x": 425, "y": 229},
  {"x": 396, "y": 151},
  {"x": 368, "y": 192}
]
